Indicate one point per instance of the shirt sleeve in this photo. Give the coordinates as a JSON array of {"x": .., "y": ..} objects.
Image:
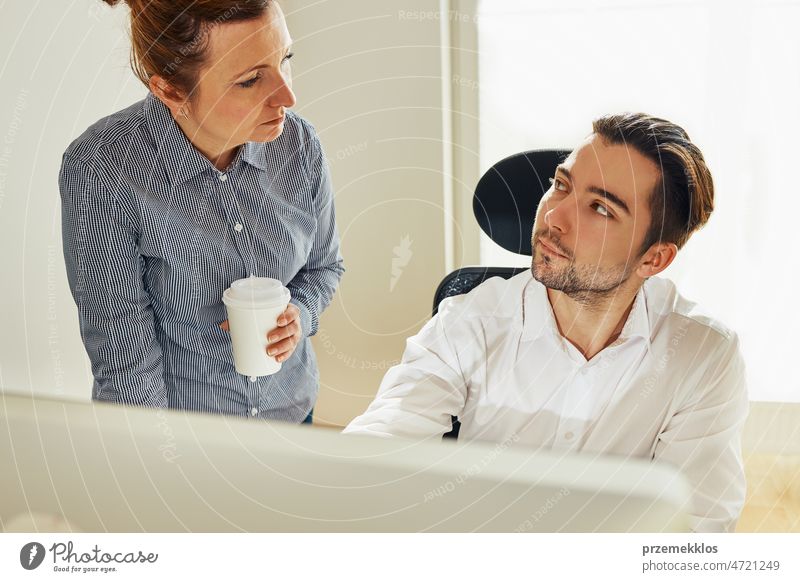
[
  {"x": 104, "y": 271},
  {"x": 313, "y": 287},
  {"x": 703, "y": 440},
  {"x": 418, "y": 397}
]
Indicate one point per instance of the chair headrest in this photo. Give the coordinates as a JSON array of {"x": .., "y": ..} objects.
[{"x": 508, "y": 194}]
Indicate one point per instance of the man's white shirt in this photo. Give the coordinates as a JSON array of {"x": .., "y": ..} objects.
[{"x": 671, "y": 388}]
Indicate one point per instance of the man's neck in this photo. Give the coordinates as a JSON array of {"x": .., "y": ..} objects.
[{"x": 592, "y": 325}]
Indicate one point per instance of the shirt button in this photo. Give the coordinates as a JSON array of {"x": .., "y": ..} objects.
[
  {"x": 223, "y": 177},
  {"x": 569, "y": 436},
  {"x": 254, "y": 411},
  {"x": 238, "y": 227}
]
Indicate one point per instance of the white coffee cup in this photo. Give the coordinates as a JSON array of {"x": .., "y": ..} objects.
[{"x": 253, "y": 305}]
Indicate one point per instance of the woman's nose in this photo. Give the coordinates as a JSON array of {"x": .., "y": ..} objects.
[{"x": 282, "y": 94}]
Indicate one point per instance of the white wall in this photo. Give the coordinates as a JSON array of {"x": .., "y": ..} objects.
[
  {"x": 367, "y": 74},
  {"x": 64, "y": 65}
]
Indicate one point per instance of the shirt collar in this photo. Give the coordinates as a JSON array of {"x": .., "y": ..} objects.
[
  {"x": 181, "y": 159},
  {"x": 254, "y": 153},
  {"x": 538, "y": 318},
  {"x": 638, "y": 323}
]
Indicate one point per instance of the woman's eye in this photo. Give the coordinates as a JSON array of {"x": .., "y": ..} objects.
[
  {"x": 250, "y": 82},
  {"x": 287, "y": 58},
  {"x": 601, "y": 210}
]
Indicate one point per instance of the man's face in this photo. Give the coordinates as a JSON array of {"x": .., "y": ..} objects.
[
  {"x": 245, "y": 91},
  {"x": 592, "y": 221}
]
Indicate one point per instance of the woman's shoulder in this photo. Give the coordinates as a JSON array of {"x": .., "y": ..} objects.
[
  {"x": 108, "y": 133},
  {"x": 298, "y": 141},
  {"x": 299, "y": 131}
]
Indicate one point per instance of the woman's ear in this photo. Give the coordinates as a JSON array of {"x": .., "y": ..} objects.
[
  {"x": 657, "y": 258},
  {"x": 169, "y": 96}
]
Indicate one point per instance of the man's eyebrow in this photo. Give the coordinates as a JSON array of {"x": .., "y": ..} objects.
[
  {"x": 613, "y": 198},
  {"x": 564, "y": 171}
]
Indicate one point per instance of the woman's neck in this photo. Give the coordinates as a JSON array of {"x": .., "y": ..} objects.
[{"x": 220, "y": 157}]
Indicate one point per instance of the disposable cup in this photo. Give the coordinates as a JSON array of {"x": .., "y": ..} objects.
[{"x": 253, "y": 306}]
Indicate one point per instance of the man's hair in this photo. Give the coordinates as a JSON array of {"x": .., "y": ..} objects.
[{"x": 683, "y": 198}]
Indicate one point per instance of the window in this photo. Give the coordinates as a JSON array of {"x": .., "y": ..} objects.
[{"x": 729, "y": 73}]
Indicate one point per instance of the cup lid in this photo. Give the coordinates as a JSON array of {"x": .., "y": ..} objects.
[{"x": 256, "y": 292}]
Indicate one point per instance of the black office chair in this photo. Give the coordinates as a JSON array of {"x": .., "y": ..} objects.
[{"x": 504, "y": 204}]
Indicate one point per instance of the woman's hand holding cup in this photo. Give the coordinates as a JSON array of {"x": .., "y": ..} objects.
[{"x": 283, "y": 339}]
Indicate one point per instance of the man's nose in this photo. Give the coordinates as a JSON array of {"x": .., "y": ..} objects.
[{"x": 559, "y": 215}]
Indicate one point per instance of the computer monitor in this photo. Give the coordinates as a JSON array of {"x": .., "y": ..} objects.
[{"x": 93, "y": 467}]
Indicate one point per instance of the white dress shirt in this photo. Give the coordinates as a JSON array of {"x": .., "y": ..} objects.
[{"x": 671, "y": 387}]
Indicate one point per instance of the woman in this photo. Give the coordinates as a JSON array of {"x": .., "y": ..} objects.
[{"x": 209, "y": 179}]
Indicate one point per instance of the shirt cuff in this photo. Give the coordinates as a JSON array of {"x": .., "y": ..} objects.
[{"x": 305, "y": 317}]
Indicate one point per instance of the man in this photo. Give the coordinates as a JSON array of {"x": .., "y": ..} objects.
[{"x": 589, "y": 351}]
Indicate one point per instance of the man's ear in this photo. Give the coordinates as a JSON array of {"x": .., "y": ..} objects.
[
  {"x": 169, "y": 96},
  {"x": 657, "y": 258}
]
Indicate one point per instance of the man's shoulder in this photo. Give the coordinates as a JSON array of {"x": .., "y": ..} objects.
[
  {"x": 672, "y": 314},
  {"x": 496, "y": 297}
]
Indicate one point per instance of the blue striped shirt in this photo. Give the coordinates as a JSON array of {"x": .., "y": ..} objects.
[{"x": 153, "y": 234}]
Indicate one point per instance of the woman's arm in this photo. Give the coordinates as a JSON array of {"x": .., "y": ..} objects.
[
  {"x": 104, "y": 270},
  {"x": 313, "y": 287}
]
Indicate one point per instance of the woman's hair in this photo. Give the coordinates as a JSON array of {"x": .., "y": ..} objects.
[
  {"x": 170, "y": 37},
  {"x": 684, "y": 196}
]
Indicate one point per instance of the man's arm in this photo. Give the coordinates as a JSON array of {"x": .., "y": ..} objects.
[
  {"x": 418, "y": 396},
  {"x": 703, "y": 440},
  {"x": 104, "y": 270}
]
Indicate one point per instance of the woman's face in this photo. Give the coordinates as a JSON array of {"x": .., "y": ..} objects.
[{"x": 244, "y": 90}]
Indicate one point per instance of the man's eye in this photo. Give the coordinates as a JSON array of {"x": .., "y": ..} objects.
[
  {"x": 558, "y": 184},
  {"x": 601, "y": 210},
  {"x": 250, "y": 82}
]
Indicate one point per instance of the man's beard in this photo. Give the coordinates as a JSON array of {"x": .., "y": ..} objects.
[{"x": 586, "y": 284}]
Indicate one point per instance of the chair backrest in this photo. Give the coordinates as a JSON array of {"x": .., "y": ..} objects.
[
  {"x": 505, "y": 203},
  {"x": 508, "y": 194},
  {"x": 465, "y": 279}
]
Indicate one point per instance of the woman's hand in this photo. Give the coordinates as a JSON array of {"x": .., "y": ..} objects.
[{"x": 282, "y": 340}]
